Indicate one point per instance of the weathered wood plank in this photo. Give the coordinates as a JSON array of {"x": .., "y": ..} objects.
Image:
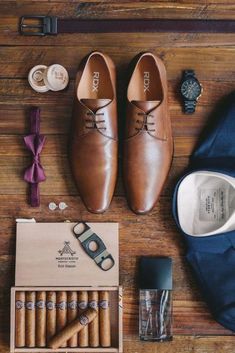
[
  {"x": 183, "y": 345},
  {"x": 122, "y": 9},
  {"x": 18, "y": 91},
  {"x": 59, "y": 179},
  {"x": 14, "y": 119},
  {"x": 209, "y": 63},
  {"x": 58, "y": 145}
]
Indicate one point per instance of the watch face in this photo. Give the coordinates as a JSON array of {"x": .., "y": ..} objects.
[{"x": 190, "y": 89}]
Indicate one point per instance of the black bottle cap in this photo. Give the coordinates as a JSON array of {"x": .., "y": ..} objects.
[{"x": 155, "y": 273}]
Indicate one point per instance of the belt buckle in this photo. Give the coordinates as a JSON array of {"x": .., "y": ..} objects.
[{"x": 46, "y": 25}]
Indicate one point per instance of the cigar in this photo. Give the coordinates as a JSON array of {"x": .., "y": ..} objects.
[
  {"x": 61, "y": 312},
  {"x": 20, "y": 319},
  {"x": 30, "y": 316},
  {"x": 72, "y": 315},
  {"x": 51, "y": 315},
  {"x": 104, "y": 315},
  {"x": 74, "y": 327},
  {"x": 93, "y": 299},
  {"x": 40, "y": 319},
  {"x": 83, "y": 336}
]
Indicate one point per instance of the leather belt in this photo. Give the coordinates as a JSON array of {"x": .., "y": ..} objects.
[{"x": 43, "y": 25}]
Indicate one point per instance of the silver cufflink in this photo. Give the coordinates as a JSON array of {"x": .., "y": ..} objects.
[
  {"x": 53, "y": 206},
  {"x": 62, "y": 206}
]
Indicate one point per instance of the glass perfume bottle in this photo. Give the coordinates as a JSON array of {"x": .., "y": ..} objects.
[{"x": 155, "y": 299}]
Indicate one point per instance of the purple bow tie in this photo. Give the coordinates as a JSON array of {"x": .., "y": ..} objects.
[
  {"x": 34, "y": 142},
  {"x": 35, "y": 172}
]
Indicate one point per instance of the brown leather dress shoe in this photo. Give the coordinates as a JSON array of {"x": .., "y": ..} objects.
[
  {"x": 148, "y": 144},
  {"x": 94, "y": 143}
]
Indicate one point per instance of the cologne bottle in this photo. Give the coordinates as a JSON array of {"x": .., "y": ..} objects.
[{"x": 155, "y": 299}]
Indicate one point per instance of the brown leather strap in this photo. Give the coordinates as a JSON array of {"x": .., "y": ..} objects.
[
  {"x": 147, "y": 25},
  {"x": 53, "y": 25}
]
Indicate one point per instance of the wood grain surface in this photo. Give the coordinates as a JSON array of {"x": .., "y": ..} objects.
[{"x": 212, "y": 56}]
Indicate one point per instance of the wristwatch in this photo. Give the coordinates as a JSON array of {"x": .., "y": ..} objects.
[{"x": 190, "y": 90}]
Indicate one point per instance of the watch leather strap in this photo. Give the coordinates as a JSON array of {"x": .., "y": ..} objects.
[{"x": 44, "y": 25}]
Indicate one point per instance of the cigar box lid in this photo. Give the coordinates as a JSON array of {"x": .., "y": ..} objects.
[{"x": 49, "y": 254}]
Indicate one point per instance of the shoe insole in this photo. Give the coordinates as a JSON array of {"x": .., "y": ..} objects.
[
  {"x": 95, "y": 82},
  {"x": 95, "y": 104},
  {"x": 145, "y": 84},
  {"x": 206, "y": 203},
  {"x": 146, "y": 106}
]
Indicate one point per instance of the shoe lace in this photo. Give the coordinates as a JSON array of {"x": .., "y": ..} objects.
[
  {"x": 145, "y": 122},
  {"x": 94, "y": 121}
]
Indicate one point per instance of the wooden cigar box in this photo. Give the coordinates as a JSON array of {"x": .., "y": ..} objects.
[{"x": 50, "y": 258}]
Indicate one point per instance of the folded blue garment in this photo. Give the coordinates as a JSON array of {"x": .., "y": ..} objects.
[{"x": 204, "y": 211}]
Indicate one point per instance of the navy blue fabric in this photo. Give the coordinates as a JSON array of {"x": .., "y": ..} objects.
[{"x": 213, "y": 257}]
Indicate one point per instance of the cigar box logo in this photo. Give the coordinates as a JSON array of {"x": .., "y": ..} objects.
[
  {"x": 67, "y": 256},
  {"x": 72, "y": 305},
  {"x": 84, "y": 320},
  {"x": 66, "y": 249},
  {"x": 19, "y": 304},
  {"x": 104, "y": 304}
]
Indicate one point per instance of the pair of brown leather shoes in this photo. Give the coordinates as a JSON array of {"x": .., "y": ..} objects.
[{"x": 148, "y": 145}]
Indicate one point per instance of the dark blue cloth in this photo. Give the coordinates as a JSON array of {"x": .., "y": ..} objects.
[{"x": 213, "y": 257}]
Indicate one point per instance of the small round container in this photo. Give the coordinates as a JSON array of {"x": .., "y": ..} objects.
[
  {"x": 36, "y": 78},
  {"x": 56, "y": 77}
]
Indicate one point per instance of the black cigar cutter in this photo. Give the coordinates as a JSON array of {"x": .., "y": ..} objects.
[{"x": 93, "y": 246}]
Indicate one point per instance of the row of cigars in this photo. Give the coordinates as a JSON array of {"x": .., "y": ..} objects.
[{"x": 58, "y": 319}]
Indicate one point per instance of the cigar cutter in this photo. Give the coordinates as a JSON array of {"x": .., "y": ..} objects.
[{"x": 93, "y": 246}]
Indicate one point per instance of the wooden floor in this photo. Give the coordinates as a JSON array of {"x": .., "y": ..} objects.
[{"x": 213, "y": 58}]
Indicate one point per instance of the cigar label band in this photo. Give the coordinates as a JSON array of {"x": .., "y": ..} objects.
[
  {"x": 50, "y": 305},
  {"x": 83, "y": 319},
  {"x": 30, "y": 305},
  {"x": 41, "y": 304},
  {"x": 82, "y": 305},
  {"x": 19, "y": 304},
  {"x": 104, "y": 304},
  {"x": 62, "y": 305},
  {"x": 93, "y": 304},
  {"x": 72, "y": 305}
]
